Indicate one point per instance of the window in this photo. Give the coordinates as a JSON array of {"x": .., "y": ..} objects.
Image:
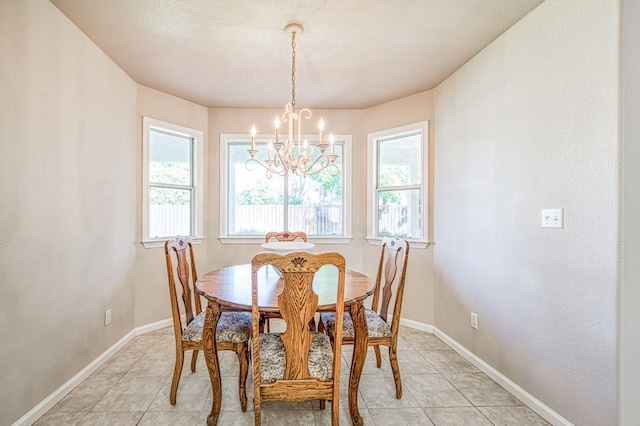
[
  {"x": 252, "y": 204},
  {"x": 172, "y": 182},
  {"x": 397, "y": 159}
]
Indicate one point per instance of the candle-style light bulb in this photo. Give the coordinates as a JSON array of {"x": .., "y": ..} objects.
[
  {"x": 332, "y": 141},
  {"x": 269, "y": 150},
  {"x": 276, "y": 123},
  {"x": 321, "y": 127},
  {"x": 253, "y": 137}
]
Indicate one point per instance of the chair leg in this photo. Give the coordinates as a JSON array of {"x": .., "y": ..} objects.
[
  {"x": 257, "y": 412},
  {"x": 376, "y": 348},
  {"x": 177, "y": 371},
  {"x": 395, "y": 368},
  {"x": 268, "y": 326},
  {"x": 194, "y": 359},
  {"x": 243, "y": 360},
  {"x": 312, "y": 324},
  {"x": 335, "y": 413},
  {"x": 323, "y": 404}
]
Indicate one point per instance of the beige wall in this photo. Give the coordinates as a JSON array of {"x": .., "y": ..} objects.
[
  {"x": 152, "y": 302},
  {"x": 151, "y": 290},
  {"x": 629, "y": 294},
  {"x": 418, "y": 299},
  {"x": 67, "y": 163},
  {"x": 529, "y": 123}
]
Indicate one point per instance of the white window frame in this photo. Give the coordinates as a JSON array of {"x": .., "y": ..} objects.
[
  {"x": 228, "y": 138},
  {"x": 197, "y": 170},
  {"x": 372, "y": 181}
]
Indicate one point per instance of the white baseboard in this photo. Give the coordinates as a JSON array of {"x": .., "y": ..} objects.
[
  {"x": 154, "y": 326},
  {"x": 417, "y": 325},
  {"x": 527, "y": 399},
  {"x": 45, "y": 405}
]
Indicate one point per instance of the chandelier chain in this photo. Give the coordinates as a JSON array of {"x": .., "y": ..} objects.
[
  {"x": 294, "y": 154},
  {"x": 293, "y": 70}
]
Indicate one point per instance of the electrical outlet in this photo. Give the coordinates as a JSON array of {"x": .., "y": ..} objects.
[
  {"x": 474, "y": 320},
  {"x": 107, "y": 317}
]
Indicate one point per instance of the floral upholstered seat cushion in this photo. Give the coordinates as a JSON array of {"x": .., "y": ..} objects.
[
  {"x": 376, "y": 326},
  {"x": 273, "y": 358},
  {"x": 233, "y": 327}
]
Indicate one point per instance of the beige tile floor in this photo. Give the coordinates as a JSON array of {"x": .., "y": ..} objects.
[{"x": 439, "y": 388}]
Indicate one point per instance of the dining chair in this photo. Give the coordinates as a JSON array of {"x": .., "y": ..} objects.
[
  {"x": 299, "y": 364},
  {"x": 285, "y": 236},
  {"x": 383, "y": 323},
  {"x": 233, "y": 330}
]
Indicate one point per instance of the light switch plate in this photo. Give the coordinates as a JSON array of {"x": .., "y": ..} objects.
[{"x": 552, "y": 218}]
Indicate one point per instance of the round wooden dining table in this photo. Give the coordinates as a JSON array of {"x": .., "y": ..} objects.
[{"x": 229, "y": 289}]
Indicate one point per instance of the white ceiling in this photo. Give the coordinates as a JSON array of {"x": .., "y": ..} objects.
[{"x": 352, "y": 53}]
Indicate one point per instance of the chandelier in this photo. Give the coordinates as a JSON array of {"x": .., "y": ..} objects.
[{"x": 294, "y": 155}]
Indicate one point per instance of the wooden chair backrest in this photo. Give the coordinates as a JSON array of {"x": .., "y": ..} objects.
[
  {"x": 298, "y": 303},
  {"x": 285, "y": 236},
  {"x": 181, "y": 249},
  {"x": 394, "y": 253}
]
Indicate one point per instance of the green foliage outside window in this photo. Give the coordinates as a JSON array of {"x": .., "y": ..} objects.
[
  {"x": 261, "y": 194},
  {"x": 170, "y": 173},
  {"x": 323, "y": 187}
]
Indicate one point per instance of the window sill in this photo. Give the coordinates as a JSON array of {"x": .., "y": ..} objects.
[
  {"x": 160, "y": 242},
  {"x": 412, "y": 243},
  {"x": 260, "y": 239}
]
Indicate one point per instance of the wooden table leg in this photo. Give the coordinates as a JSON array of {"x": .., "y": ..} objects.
[
  {"x": 361, "y": 338},
  {"x": 211, "y": 356}
]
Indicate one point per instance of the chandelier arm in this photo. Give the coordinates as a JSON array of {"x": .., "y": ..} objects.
[
  {"x": 323, "y": 162},
  {"x": 270, "y": 170},
  {"x": 335, "y": 171},
  {"x": 280, "y": 162},
  {"x": 304, "y": 113},
  {"x": 288, "y": 110}
]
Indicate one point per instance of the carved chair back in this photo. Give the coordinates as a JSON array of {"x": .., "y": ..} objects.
[
  {"x": 285, "y": 236},
  {"x": 183, "y": 288},
  {"x": 394, "y": 255},
  {"x": 297, "y": 304}
]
